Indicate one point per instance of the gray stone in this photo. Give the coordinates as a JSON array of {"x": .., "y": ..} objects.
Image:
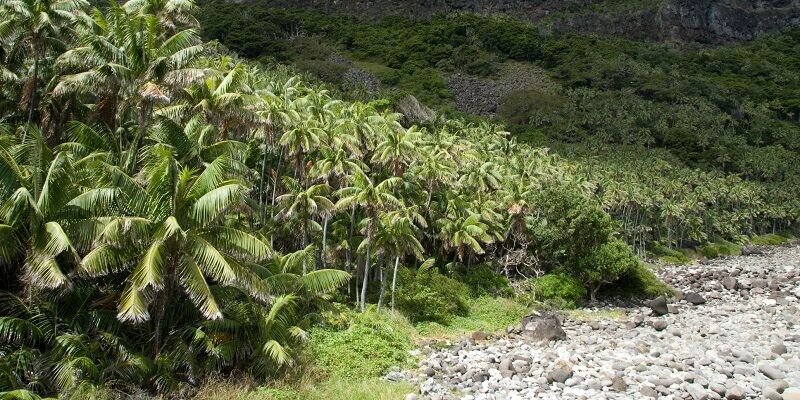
[
  {"x": 479, "y": 335},
  {"x": 659, "y": 324},
  {"x": 543, "y": 327},
  {"x": 771, "y": 372},
  {"x": 659, "y": 305},
  {"x": 429, "y": 371},
  {"x": 559, "y": 374},
  {"x": 770, "y": 394},
  {"x": 695, "y": 298},
  {"x": 734, "y": 393},
  {"x": 729, "y": 283},
  {"x": 411, "y": 396},
  {"x": 697, "y": 392},
  {"x": 779, "y": 349},
  {"x": 647, "y": 391}
]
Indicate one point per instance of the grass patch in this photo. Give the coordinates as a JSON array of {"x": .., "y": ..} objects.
[
  {"x": 488, "y": 314},
  {"x": 769, "y": 239},
  {"x": 334, "y": 389},
  {"x": 603, "y": 313}
]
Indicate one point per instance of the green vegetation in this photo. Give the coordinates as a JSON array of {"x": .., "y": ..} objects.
[
  {"x": 769, "y": 239},
  {"x": 556, "y": 289},
  {"x": 171, "y": 213},
  {"x": 720, "y": 248}
]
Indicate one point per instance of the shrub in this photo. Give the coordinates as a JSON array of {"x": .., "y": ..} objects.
[
  {"x": 557, "y": 289},
  {"x": 369, "y": 345},
  {"x": 639, "y": 282},
  {"x": 488, "y": 314},
  {"x": 430, "y": 296},
  {"x": 667, "y": 255},
  {"x": 721, "y": 248},
  {"x": 605, "y": 264},
  {"x": 482, "y": 280}
]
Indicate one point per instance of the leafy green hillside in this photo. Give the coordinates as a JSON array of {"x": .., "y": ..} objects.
[{"x": 171, "y": 213}]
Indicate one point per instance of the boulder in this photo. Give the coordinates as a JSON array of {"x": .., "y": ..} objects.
[
  {"x": 659, "y": 305},
  {"x": 792, "y": 393},
  {"x": 695, "y": 298},
  {"x": 729, "y": 283},
  {"x": 659, "y": 324},
  {"x": 559, "y": 374},
  {"x": 413, "y": 111},
  {"x": 479, "y": 335},
  {"x": 543, "y": 327}
]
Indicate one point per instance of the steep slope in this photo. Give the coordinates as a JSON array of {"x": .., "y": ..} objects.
[{"x": 705, "y": 21}]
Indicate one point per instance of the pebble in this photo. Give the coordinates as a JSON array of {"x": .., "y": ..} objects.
[{"x": 739, "y": 342}]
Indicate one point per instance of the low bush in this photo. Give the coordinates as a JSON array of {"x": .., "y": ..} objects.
[
  {"x": 430, "y": 296},
  {"x": 558, "y": 290},
  {"x": 368, "y": 346},
  {"x": 768, "y": 239},
  {"x": 638, "y": 282},
  {"x": 667, "y": 255},
  {"x": 605, "y": 264},
  {"x": 721, "y": 248},
  {"x": 482, "y": 280}
]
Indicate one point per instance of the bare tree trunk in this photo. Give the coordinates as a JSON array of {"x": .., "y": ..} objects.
[
  {"x": 324, "y": 239},
  {"x": 274, "y": 190},
  {"x": 32, "y": 100},
  {"x": 366, "y": 278},
  {"x": 394, "y": 279},
  {"x": 383, "y": 285}
]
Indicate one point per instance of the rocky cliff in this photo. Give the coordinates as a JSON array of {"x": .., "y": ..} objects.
[{"x": 706, "y": 21}]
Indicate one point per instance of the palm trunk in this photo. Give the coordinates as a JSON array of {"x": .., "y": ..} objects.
[
  {"x": 263, "y": 179},
  {"x": 274, "y": 190},
  {"x": 324, "y": 239},
  {"x": 305, "y": 241},
  {"x": 366, "y": 277},
  {"x": 144, "y": 110},
  {"x": 32, "y": 100},
  {"x": 382, "y": 274},
  {"x": 394, "y": 279}
]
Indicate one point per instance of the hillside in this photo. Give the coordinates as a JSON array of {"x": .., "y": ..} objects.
[{"x": 239, "y": 201}]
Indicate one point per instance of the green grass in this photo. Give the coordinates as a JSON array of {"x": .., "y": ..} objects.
[
  {"x": 667, "y": 255},
  {"x": 604, "y": 313},
  {"x": 488, "y": 314},
  {"x": 333, "y": 389},
  {"x": 769, "y": 239}
]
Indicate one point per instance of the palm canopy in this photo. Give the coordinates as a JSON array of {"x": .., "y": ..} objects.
[{"x": 179, "y": 229}]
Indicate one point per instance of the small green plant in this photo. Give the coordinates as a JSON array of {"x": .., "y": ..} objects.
[
  {"x": 488, "y": 314},
  {"x": 430, "y": 296}
]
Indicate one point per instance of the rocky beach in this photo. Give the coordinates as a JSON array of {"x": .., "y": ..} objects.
[{"x": 731, "y": 331}]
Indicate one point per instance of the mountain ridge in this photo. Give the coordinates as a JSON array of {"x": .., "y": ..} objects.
[{"x": 704, "y": 21}]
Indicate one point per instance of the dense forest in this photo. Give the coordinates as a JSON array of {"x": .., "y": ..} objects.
[{"x": 170, "y": 211}]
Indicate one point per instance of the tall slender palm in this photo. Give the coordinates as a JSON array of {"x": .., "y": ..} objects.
[
  {"x": 397, "y": 237},
  {"x": 372, "y": 199},
  {"x": 465, "y": 234},
  {"x": 305, "y": 204}
]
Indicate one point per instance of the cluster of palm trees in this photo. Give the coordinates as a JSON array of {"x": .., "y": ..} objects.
[
  {"x": 660, "y": 202},
  {"x": 169, "y": 210}
]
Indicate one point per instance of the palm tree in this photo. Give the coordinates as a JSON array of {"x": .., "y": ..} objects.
[
  {"x": 175, "y": 232},
  {"x": 372, "y": 199},
  {"x": 397, "y": 150},
  {"x": 304, "y": 204},
  {"x": 33, "y": 27},
  {"x": 396, "y": 237},
  {"x": 465, "y": 235},
  {"x": 128, "y": 65}
]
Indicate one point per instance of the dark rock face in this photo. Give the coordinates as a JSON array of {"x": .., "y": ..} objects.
[{"x": 705, "y": 21}]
